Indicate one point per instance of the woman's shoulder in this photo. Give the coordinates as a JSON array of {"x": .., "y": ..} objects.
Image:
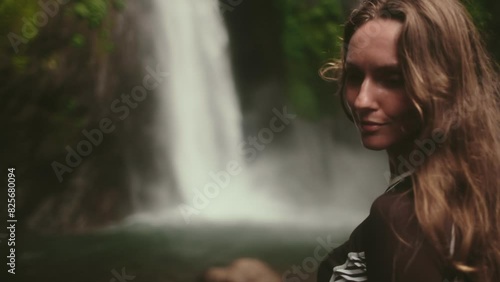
[
  {"x": 378, "y": 241},
  {"x": 396, "y": 204}
]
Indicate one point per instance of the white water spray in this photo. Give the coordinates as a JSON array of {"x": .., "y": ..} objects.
[
  {"x": 200, "y": 124},
  {"x": 201, "y": 115}
]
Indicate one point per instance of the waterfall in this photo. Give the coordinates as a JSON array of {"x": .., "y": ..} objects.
[
  {"x": 303, "y": 181},
  {"x": 200, "y": 118},
  {"x": 199, "y": 102}
]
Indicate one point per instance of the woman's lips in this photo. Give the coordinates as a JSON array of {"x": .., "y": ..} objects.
[{"x": 368, "y": 126}]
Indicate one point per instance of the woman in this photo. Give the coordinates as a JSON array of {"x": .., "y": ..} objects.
[{"x": 417, "y": 82}]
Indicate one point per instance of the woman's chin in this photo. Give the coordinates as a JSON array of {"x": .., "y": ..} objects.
[
  {"x": 374, "y": 144},
  {"x": 374, "y": 147}
]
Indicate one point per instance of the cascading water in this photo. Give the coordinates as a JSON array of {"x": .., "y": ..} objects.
[
  {"x": 200, "y": 124},
  {"x": 200, "y": 116},
  {"x": 302, "y": 192}
]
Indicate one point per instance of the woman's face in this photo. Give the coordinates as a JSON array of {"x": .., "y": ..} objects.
[{"x": 374, "y": 87}]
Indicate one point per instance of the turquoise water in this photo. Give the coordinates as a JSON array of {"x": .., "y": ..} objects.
[{"x": 163, "y": 253}]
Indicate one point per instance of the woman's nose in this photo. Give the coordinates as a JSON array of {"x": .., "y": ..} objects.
[{"x": 366, "y": 96}]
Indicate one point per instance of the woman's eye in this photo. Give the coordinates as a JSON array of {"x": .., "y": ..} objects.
[{"x": 393, "y": 81}]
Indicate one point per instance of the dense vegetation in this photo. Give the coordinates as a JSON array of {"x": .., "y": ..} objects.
[
  {"x": 60, "y": 70},
  {"x": 63, "y": 63},
  {"x": 312, "y": 34}
]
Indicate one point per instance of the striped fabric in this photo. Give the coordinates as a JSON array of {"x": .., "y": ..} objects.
[{"x": 354, "y": 269}]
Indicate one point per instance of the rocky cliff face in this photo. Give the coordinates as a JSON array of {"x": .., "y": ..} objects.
[
  {"x": 83, "y": 149},
  {"x": 64, "y": 116}
]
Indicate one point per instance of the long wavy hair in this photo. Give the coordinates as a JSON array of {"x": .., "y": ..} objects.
[{"x": 454, "y": 85}]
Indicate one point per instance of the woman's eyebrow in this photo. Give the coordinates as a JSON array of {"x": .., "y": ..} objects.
[
  {"x": 351, "y": 66},
  {"x": 393, "y": 68},
  {"x": 389, "y": 68}
]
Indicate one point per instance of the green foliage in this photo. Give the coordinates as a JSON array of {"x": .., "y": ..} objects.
[
  {"x": 78, "y": 40},
  {"x": 93, "y": 11},
  {"x": 63, "y": 111},
  {"x": 66, "y": 116},
  {"x": 104, "y": 42},
  {"x": 482, "y": 12},
  {"x": 81, "y": 10},
  {"x": 20, "y": 62},
  {"x": 312, "y": 31},
  {"x": 13, "y": 13},
  {"x": 311, "y": 35},
  {"x": 303, "y": 99},
  {"x": 119, "y": 4},
  {"x": 479, "y": 13},
  {"x": 109, "y": 46}
]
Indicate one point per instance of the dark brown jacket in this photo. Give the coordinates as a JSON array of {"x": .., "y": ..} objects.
[{"x": 374, "y": 253}]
